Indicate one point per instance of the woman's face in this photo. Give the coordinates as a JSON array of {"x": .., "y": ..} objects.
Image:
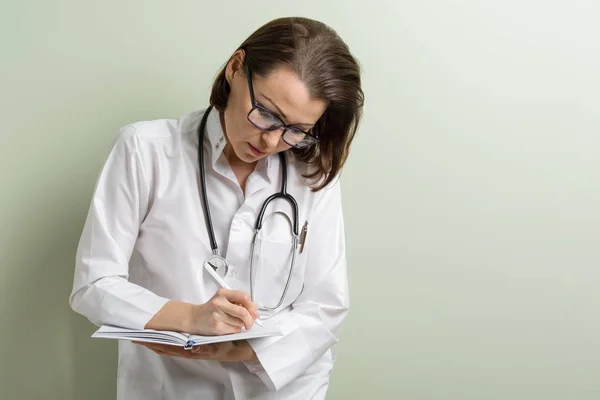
[{"x": 282, "y": 93}]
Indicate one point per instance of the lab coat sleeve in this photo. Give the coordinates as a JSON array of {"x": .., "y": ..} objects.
[
  {"x": 101, "y": 290},
  {"x": 310, "y": 325}
]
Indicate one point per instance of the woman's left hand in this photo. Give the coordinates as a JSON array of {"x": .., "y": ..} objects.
[{"x": 238, "y": 350}]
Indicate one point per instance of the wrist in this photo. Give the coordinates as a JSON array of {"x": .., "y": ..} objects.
[
  {"x": 188, "y": 319},
  {"x": 173, "y": 316}
]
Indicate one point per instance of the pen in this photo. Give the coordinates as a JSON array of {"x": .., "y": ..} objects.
[
  {"x": 303, "y": 236},
  {"x": 210, "y": 268}
]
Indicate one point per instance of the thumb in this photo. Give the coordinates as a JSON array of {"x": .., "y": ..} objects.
[{"x": 202, "y": 349}]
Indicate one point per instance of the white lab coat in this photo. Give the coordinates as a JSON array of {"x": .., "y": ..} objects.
[{"x": 145, "y": 240}]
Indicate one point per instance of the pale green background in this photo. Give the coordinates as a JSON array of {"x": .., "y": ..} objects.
[{"x": 471, "y": 195}]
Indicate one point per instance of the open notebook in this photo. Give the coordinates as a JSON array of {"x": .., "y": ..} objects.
[{"x": 181, "y": 339}]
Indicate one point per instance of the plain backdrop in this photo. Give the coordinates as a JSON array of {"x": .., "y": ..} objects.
[{"x": 471, "y": 194}]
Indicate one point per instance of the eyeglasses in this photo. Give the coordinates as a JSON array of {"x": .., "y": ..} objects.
[{"x": 265, "y": 120}]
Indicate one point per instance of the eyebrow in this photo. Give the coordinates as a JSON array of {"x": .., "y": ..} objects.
[{"x": 281, "y": 113}]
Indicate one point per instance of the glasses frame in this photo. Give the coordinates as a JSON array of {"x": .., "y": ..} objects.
[{"x": 283, "y": 125}]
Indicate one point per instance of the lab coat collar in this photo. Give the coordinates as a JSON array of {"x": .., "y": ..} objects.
[{"x": 215, "y": 134}]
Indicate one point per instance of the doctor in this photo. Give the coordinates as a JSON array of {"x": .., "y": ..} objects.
[{"x": 174, "y": 194}]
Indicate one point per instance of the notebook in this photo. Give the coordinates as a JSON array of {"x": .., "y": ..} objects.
[{"x": 184, "y": 340}]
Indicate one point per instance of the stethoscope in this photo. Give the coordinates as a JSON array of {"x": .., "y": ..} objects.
[{"x": 216, "y": 261}]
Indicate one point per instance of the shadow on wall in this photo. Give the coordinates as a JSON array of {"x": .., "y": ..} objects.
[
  {"x": 46, "y": 349},
  {"x": 52, "y": 153}
]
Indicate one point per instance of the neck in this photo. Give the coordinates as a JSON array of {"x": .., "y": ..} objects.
[
  {"x": 230, "y": 155},
  {"x": 240, "y": 168},
  {"x": 235, "y": 162}
]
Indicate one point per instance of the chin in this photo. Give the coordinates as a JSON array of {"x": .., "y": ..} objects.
[
  {"x": 250, "y": 154},
  {"x": 249, "y": 159},
  {"x": 245, "y": 156}
]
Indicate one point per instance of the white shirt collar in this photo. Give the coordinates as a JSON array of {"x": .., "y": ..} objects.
[{"x": 215, "y": 134}]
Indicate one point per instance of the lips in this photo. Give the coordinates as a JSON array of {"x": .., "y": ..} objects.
[{"x": 256, "y": 151}]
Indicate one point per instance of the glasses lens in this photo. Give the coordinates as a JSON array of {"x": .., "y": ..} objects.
[
  {"x": 297, "y": 138},
  {"x": 263, "y": 119}
]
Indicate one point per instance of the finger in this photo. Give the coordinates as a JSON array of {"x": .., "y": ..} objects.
[
  {"x": 202, "y": 349},
  {"x": 239, "y": 313},
  {"x": 234, "y": 322},
  {"x": 214, "y": 349},
  {"x": 146, "y": 345},
  {"x": 161, "y": 349},
  {"x": 206, "y": 349},
  {"x": 151, "y": 345},
  {"x": 240, "y": 298},
  {"x": 157, "y": 350},
  {"x": 220, "y": 349},
  {"x": 223, "y": 328},
  {"x": 171, "y": 351}
]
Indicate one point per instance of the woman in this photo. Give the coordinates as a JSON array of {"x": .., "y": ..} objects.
[{"x": 291, "y": 89}]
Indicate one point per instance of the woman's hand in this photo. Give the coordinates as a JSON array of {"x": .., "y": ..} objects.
[
  {"x": 238, "y": 350},
  {"x": 228, "y": 311}
]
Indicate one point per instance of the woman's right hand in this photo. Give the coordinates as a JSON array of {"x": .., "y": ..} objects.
[{"x": 228, "y": 311}]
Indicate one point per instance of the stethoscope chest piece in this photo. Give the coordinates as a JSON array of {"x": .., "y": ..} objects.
[{"x": 218, "y": 264}]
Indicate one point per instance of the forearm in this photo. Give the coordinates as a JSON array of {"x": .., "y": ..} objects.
[{"x": 115, "y": 301}]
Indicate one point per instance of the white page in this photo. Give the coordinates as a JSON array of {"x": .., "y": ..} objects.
[
  {"x": 108, "y": 332},
  {"x": 181, "y": 339},
  {"x": 254, "y": 333}
]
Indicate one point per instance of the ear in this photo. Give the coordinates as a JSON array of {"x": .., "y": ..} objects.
[{"x": 235, "y": 65}]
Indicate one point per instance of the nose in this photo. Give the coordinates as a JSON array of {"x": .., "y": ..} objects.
[{"x": 272, "y": 137}]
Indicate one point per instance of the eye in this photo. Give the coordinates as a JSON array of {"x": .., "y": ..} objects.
[
  {"x": 300, "y": 131},
  {"x": 267, "y": 116},
  {"x": 296, "y": 134}
]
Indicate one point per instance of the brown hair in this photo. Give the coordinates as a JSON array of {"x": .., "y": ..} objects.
[{"x": 324, "y": 64}]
